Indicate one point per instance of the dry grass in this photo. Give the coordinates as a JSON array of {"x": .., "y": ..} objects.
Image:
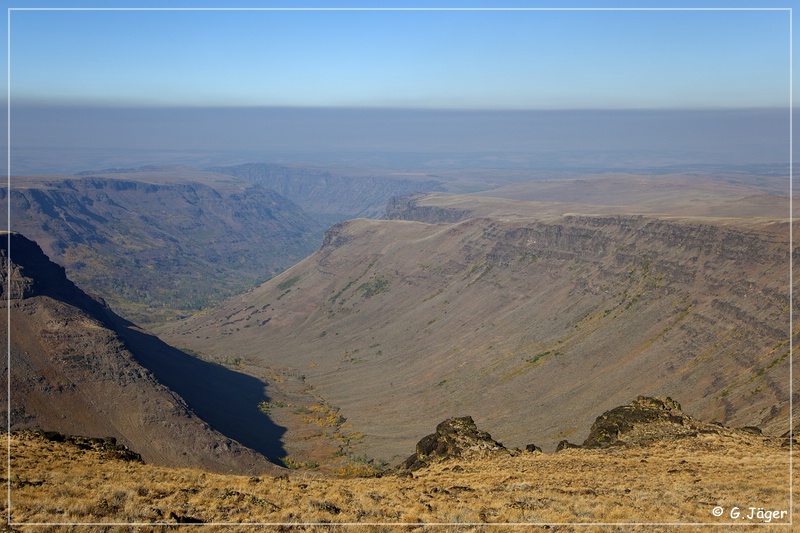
[{"x": 678, "y": 481}]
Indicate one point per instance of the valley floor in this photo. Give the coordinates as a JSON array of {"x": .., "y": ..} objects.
[{"x": 744, "y": 478}]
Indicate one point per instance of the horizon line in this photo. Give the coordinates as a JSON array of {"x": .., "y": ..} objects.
[
  {"x": 329, "y": 107},
  {"x": 400, "y": 9}
]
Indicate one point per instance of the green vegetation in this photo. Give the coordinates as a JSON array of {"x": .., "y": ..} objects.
[
  {"x": 293, "y": 464},
  {"x": 265, "y": 407},
  {"x": 193, "y": 353},
  {"x": 351, "y": 282},
  {"x": 233, "y": 361},
  {"x": 536, "y": 358},
  {"x": 289, "y": 283},
  {"x": 375, "y": 286}
]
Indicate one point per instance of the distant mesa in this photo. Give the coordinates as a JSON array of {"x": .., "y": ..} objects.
[
  {"x": 132, "y": 170},
  {"x": 408, "y": 208},
  {"x": 331, "y": 197}
]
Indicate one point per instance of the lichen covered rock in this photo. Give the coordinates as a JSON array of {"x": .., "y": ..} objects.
[
  {"x": 645, "y": 419},
  {"x": 453, "y": 438}
]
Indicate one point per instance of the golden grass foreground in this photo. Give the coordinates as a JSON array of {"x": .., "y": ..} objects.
[{"x": 677, "y": 481}]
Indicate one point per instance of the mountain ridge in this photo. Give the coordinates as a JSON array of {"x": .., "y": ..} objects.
[
  {"x": 142, "y": 245},
  {"x": 78, "y": 368},
  {"x": 564, "y": 312}
]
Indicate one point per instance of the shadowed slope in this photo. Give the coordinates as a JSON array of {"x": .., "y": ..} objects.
[
  {"x": 227, "y": 400},
  {"x": 75, "y": 369}
]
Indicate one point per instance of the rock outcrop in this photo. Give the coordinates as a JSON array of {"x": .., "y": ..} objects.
[
  {"x": 76, "y": 368},
  {"x": 651, "y": 419},
  {"x": 408, "y": 208},
  {"x": 646, "y": 420},
  {"x": 455, "y": 437},
  {"x": 645, "y": 417},
  {"x": 107, "y": 446}
]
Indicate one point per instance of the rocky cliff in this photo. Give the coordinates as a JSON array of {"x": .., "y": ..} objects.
[
  {"x": 453, "y": 438},
  {"x": 77, "y": 368},
  {"x": 143, "y": 246},
  {"x": 408, "y": 208}
]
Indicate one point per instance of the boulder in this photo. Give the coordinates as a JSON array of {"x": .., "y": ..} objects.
[
  {"x": 643, "y": 420},
  {"x": 454, "y": 437},
  {"x": 566, "y": 445}
]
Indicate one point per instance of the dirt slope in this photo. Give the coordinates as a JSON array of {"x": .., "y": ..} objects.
[
  {"x": 77, "y": 368},
  {"x": 528, "y": 324}
]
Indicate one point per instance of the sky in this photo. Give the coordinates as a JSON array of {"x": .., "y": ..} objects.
[
  {"x": 75, "y": 73},
  {"x": 484, "y": 59}
]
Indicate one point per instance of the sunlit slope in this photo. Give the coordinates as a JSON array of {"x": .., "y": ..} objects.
[
  {"x": 529, "y": 325},
  {"x": 679, "y": 480}
]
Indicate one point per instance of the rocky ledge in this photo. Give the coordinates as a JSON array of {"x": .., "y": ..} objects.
[
  {"x": 641, "y": 420},
  {"x": 107, "y": 446}
]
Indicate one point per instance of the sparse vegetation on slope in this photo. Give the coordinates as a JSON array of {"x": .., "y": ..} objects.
[
  {"x": 155, "y": 251},
  {"x": 489, "y": 314}
]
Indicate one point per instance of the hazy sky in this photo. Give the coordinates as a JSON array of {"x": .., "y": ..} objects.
[
  {"x": 678, "y": 80},
  {"x": 423, "y": 59}
]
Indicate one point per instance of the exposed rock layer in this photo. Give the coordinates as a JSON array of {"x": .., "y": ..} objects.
[
  {"x": 76, "y": 368},
  {"x": 157, "y": 249},
  {"x": 400, "y": 322},
  {"x": 453, "y": 438}
]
